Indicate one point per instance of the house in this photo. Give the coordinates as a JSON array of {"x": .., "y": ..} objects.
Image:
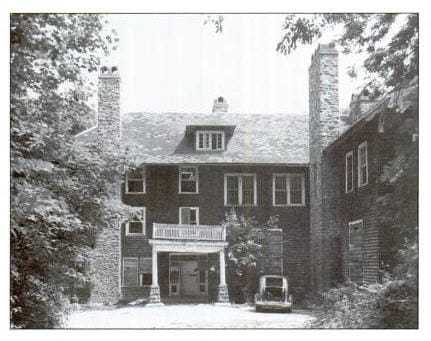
[{"x": 191, "y": 169}]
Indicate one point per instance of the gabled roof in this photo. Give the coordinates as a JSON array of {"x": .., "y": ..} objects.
[
  {"x": 403, "y": 98},
  {"x": 160, "y": 138}
]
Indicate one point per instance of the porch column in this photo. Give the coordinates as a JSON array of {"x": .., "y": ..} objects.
[
  {"x": 223, "y": 295},
  {"x": 155, "y": 289}
]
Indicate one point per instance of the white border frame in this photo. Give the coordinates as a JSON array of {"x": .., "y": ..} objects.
[
  {"x": 211, "y": 132},
  {"x": 350, "y": 223},
  {"x": 288, "y": 177},
  {"x": 346, "y": 190},
  {"x": 240, "y": 175},
  {"x": 362, "y": 145},
  {"x": 179, "y": 179},
  {"x": 144, "y": 224},
  {"x": 191, "y": 207}
]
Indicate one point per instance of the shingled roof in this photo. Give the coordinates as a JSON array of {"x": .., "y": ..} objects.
[{"x": 160, "y": 138}]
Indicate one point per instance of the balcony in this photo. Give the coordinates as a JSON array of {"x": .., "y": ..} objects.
[{"x": 214, "y": 233}]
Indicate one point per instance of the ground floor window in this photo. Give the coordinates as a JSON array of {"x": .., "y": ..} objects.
[{"x": 137, "y": 271}]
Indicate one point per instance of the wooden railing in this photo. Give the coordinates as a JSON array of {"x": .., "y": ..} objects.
[{"x": 189, "y": 232}]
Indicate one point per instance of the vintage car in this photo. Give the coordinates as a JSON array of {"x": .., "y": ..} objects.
[{"x": 273, "y": 294}]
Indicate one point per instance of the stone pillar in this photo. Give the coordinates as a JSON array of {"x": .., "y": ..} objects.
[
  {"x": 155, "y": 289},
  {"x": 223, "y": 294}
]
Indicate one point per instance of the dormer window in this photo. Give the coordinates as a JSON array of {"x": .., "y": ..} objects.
[{"x": 210, "y": 140}]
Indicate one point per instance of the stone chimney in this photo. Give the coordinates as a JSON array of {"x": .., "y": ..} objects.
[
  {"x": 220, "y": 105},
  {"x": 323, "y": 129},
  {"x": 323, "y": 98},
  {"x": 359, "y": 106},
  {"x": 108, "y": 118}
]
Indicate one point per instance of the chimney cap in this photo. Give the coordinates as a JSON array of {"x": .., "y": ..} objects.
[
  {"x": 220, "y": 104},
  {"x": 106, "y": 71}
]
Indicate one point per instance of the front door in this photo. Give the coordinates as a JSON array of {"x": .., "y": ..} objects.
[{"x": 190, "y": 278}]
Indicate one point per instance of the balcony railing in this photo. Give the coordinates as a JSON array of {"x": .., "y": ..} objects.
[{"x": 189, "y": 232}]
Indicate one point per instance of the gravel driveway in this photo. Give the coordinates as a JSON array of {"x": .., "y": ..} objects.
[{"x": 187, "y": 316}]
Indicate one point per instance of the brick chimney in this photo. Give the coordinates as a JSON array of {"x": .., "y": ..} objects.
[
  {"x": 108, "y": 118},
  {"x": 220, "y": 105},
  {"x": 323, "y": 129}
]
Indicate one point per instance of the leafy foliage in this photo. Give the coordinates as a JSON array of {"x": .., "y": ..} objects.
[
  {"x": 393, "y": 304},
  {"x": 57, "y": 190},
  {"x": 390, "y": 41},
  {"x": 247, "y": 247}
]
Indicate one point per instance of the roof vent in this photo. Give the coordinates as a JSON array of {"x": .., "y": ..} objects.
[{"x": 220, "y": 105}]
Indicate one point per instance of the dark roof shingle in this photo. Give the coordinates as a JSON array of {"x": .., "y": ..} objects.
[{"x": 257, "y": 138}]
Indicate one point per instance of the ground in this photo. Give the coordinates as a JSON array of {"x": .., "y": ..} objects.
[{"x": 187, "y": 316}]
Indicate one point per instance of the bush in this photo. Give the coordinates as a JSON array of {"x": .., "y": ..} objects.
[{"x": 389, "y": 305}]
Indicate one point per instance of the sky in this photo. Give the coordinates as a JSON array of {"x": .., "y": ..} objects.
[{"x": 175, "y": 63}]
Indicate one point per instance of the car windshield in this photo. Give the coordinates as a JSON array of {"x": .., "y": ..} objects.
[{"x": 274, "y": 282}]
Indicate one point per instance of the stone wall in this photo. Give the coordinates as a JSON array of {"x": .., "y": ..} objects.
[
  {"x": 323, "y": 129},
  {"x": 104, "y": 266}
]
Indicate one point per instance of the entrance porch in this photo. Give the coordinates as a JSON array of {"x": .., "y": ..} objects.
[{"x": 192, "y": 253}]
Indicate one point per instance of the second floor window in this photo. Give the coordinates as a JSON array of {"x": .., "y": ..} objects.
[
  {"x": 362, "y": 164},
  {"x": 188, "y": 180},
  {"x": 349, "y": 172},
  {"x": 135, "y": 181},
  {"x": 288, "y": 190},
  {"x": 209, "y": 140},
  {"x": 189, "y": 215},
  {"x": 136, "y": 225},
  {"x": 240, "y": 190}
]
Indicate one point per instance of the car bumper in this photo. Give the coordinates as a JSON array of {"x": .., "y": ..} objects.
[{"x": 273, "y": 305}]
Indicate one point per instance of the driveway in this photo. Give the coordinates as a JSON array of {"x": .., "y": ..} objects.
[{"x": 187, "y": 316}]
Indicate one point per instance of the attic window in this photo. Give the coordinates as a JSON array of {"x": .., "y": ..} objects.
[{"x": 210, "y": 140}]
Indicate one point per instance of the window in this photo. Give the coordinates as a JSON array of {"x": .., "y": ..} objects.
[
  {"x": 240, "y": 190},
  {"x": 189, "y": 215},
  {"x": 137, "y": 271},
  {"x": 355, "y": 234},
  {"x": 349, "y": 172},
  {"x": 135, "y": 181},
  {"x": 188, "y": 177},
  {"x": 136, "y": 226},
  {"x": 362, "y": 164},
  {"x": 288, "y": 190},
  {"x": 209, "y": 140}
]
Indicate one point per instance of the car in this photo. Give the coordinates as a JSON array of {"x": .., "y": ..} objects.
[{"x": 273, "y": 294}]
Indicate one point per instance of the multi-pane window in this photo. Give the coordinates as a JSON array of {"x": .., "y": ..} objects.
[
  {"x": 137, "y": 271},
  {"x": 136, "y": 226},
  {"x": 349, "y": 172},
  {"x": 362, "y": 164},
  {"x": 210, "y": 140},
  {"x": 288, "y": 190},
  {"x": 135, "y": 181},
  {"x": 188, "y": 180},
  {"x": 240, "y": 190},
  {"x": 189, "y": 215}
]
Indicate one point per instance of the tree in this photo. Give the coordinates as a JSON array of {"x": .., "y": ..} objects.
[
  {"x": 390, "y": 42},
  {"x": 57, "y": 191},
  {"x": 247, "y": 249}
]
